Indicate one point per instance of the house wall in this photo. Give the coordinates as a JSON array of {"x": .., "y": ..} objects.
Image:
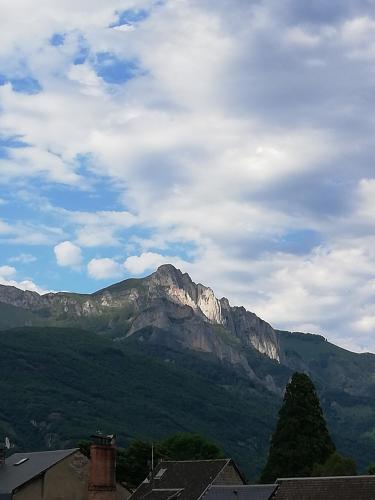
[
  {"x": 67, "y": 480},
  {"x": 122, "y": 493},
  {"x": 32, "y": 491},
  {"x": 229, "y": 476}
]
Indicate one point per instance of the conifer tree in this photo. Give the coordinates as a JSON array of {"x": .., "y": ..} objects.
[{"x": 301, "y": 438}]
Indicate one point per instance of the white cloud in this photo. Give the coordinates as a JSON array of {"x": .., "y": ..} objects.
[
  {"x": 7, "y": 271},
  {"x": 24, "y": 285},
  {"x": 149, "y": 261},
  {"x": 5, "y": 228},
  {"x": 101, "y": 228},
  {"x": 105, "y": 268},
  {"x": 358, "y": 36},
  {"x": 297, "y": 35},
  {"x": 365, "y": 324},
  {"x": 366, "y": 199},
  {"x": 37, "y": 162},
  {"x": 7, "y": 274},
  {"x": 24, "y": 258},
  {"x": 68, "y": 254},
  {"x": 25, "y": 233}
]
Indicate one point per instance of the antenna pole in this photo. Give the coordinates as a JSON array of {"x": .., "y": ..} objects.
[{"x": 152, "y": 456}]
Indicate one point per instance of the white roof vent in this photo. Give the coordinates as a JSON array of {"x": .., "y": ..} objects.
[
  {"x": 160, "y": 473},
  {"x": 22, "y": 461}
]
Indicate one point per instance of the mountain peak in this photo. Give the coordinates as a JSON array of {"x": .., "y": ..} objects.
[
  {"x": 167, "y": 268},
  {"x": 168, "y": 275}
]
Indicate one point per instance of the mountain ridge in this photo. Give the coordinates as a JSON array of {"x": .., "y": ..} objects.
[{"x": 165, "y": 295}]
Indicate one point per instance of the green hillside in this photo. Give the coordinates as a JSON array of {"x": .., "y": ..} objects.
[{"x": 59, "y": 385}]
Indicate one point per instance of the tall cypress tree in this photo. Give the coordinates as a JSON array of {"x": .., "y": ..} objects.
[{"x": 301, "y": 438}]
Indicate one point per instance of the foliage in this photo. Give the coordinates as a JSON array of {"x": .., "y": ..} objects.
[
  {"x": 187, "y": 446},
  {"x": 301, "y": 438},
  {"x": 58, "y": 385},
  {"x": 346, "y": 385},
  {"x": 134, "y": 463},
  {"x": 371, "y": 470},
  {"x": 335, "y": 465}
]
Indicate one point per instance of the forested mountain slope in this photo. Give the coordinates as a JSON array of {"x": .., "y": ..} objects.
[{"x": 161, "y": 354}]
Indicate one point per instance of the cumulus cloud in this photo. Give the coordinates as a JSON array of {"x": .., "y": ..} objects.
[
  {"x": 25, "y": 285},
  {"x": 149, "y": 261},
  {"x": 6, "y": 271},
  {"x": 7, "y": 274},
  {"x": 103, "y": 269},
  {"x": 68, "y": 254}
]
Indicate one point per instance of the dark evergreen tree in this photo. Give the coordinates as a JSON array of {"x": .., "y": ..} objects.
[
  {"x": 335, "y": 465},
  {"x": 301, "y": 438}
]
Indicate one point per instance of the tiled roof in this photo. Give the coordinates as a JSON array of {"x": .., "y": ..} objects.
[
  {"x": 245, "y": 492},
  {"x": 192, "y": 478},
  {"x": 13, "y": 476},
  {"x": 163, "y": 494},
  {"x": 326, "y": 488}
]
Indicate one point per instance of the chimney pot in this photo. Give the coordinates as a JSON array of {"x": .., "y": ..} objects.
[{"x": 102, "y": 482}]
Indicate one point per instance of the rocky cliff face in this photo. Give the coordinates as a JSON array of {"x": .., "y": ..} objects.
[
  {"x": 245, "y": 326},
  {"x": 167, "y": 300}
]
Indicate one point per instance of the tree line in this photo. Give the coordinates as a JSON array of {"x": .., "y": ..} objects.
[
  {"x": 134, "y": 463},
  {"x": 301, "y": 445}
]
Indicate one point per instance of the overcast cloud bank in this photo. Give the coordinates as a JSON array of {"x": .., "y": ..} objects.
[{"x": 233, "y": 139}]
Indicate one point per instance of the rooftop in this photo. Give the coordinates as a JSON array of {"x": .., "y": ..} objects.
[
  {"x": 20, "y": 468},
  {"x": 327, "y": 488},
  {"x": 186, "y": 479},
  {"x": 245, "y": 492}
]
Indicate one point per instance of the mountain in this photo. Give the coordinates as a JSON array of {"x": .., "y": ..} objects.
[
  {"x": 168, "y": 301},
  {"x": 160, "y": 354}
]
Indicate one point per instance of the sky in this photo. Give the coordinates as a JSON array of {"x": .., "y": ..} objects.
[{"x": 231, "y": 138}]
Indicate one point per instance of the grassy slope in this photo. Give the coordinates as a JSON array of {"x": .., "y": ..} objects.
[
  {"x": 58, "y": 385},
  {"x": 11, "y": 316}
]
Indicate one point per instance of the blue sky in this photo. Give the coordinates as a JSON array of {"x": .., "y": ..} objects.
[{"x": 232, "y": 138}]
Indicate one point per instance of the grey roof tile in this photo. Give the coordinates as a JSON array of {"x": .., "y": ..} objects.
[
  {"x": 245, "y": 492},
  {"x": 327, "y": 488},
  {"x": 191, "y": 477}
]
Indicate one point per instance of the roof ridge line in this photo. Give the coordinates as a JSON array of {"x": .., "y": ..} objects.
[
  {"x": 362, "y": 476},
  {"x": 203, "y": 460},
  {"x": 228, "y": 461},
  {"x": 41, "y": 451}
]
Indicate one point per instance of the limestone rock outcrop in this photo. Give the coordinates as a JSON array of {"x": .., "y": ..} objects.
[{"x": 167, "y": 300}]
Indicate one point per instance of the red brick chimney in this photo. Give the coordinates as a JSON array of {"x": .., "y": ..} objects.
[{"x": 102, "y": 481}]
